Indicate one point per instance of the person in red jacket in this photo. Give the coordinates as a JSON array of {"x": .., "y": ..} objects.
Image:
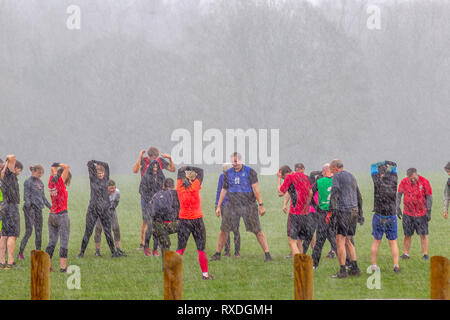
[
  {"x": 190, "y": 216},
  {"x": 416, "y": 214}
]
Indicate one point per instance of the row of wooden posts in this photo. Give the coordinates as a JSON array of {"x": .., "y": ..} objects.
[{"x": 173, "y": 277}]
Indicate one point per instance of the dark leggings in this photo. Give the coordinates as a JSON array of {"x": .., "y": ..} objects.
[
  {"x": 149, "y": 232},
  {"x": 33, "y": 218},
  {"x": 324, "y": 231},
  {"x": 237, "y": 242},
  {"x": 93, "y": 214},
  {"x": 196, "y": 227}
]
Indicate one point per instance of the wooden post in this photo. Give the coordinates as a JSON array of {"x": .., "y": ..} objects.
[
  {"x": 303, "y": 277},
  {"x": 40, "y": 275},
  {"x": 173, "y": 276},
  {"x": 440, "y": 278}
]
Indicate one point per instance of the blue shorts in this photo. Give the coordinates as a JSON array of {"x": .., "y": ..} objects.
[{"x": 384, "y": 224}]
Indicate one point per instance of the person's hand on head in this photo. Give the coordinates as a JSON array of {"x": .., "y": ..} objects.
[{"x": 166, "y": 156}]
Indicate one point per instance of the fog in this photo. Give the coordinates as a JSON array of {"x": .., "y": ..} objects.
[{"x": 138, "y": 70}]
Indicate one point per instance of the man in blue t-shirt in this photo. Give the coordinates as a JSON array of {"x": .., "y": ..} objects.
[{"x": 241, "y": 185}]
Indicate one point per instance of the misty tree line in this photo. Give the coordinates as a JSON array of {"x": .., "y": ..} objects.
[{"x": 315, "y": 71}]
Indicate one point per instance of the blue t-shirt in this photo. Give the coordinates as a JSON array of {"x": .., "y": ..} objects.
[{"x": 219, "y": 189}]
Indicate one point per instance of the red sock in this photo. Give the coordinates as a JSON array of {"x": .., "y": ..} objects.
[
  {"x": 203, "y": 261},
  {"x": 181, "y": 251}
]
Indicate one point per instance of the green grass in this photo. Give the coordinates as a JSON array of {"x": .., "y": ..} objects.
[{"x": 140, "y": 277}]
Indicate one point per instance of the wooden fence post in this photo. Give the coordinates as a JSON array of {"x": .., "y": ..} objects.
[
  {"x": 173, "y": 276},
  {"x": 303, "y": 277},
  {"x": 40, "y": 275},
  {"x": 439, "y": 278}
]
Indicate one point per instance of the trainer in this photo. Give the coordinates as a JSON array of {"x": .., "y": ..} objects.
[
  {"x": 241, "y": 185},
  {"x": 417, "y": 205}
]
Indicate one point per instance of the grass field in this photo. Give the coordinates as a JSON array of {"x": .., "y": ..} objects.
[{"x": 139, "y": 277}]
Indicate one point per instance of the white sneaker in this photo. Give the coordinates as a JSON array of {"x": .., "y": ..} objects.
[{"x": 374, "y": 267}]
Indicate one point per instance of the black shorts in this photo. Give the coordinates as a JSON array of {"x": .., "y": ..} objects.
[
  {"x": 345, "y": 221},
  {"x": 196, "y": 227},
  {"x": 301, "y": 226},
  {"x": 11, "y": 221},
  {"x": 248, "y": 212},
  {"x": 411, "y": 224},
  {"x": 230, "y": 220}
]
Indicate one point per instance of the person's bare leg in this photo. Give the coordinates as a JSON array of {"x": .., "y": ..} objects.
[
  {"x": 406, "y": 245},
  {"x": 374, "y": 250},
  {"x": 424, "y": 243},
  {"x": 262, "y": 241},
  {"x": 350, "y": 249},
  {"x": 3, "y": 241},
  {"x": 299, "y": 245},
  {"x": 340, "y": 243},
  {"x": 11, "y": 245},
  {"x": 395, "y": 251},
  {"x": 221, "y": 241},
  {"x": 313, "y": 242},
  {"x": 63, "y": 263},
  {"x": 295, "y": 247},
  {"x": 97, "y": 245},
  {"x": 143, "y": 230}
]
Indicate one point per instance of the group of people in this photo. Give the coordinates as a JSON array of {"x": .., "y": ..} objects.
[{"x": 327, "y": 204}]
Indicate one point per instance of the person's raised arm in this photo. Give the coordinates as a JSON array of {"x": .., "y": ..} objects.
[
  {"x": 279, "y": 184},
  {"x": 171, "y": 167},
  {"x": 137, "y": 165},
  {"x": 10, "y": 163},
  {"x": 91, "y": 169},
  {"x": 374, "y": 167},
  {"x": 66, "y": 170}
]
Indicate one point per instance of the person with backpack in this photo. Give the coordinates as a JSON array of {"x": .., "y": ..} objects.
[
  {"x": 165, "y": 208},
  {"x": 165, "y": 162}
]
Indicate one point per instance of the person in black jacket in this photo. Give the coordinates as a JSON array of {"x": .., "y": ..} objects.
[
  {"x": 35, "y": 200},
  {"x": 384, "y": 176},
  {"x": 114, "y": 199},
  {"x": 98, "y": 206},
  {"x": 165, "y": 208},
  {"x": 152, "y": 182},
  {"x": 11, "y": 216}
]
